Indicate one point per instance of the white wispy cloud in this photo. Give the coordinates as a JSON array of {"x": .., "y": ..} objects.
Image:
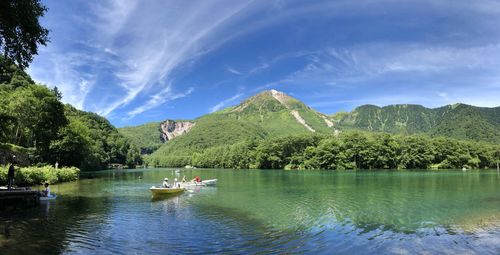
[
  {"x": 138, "y": 46},
  {"x": 126, "y": 51},
  {"x": 338, "y": 67},
  {"x": 160, "y": 98},
  {"x": 159, "y": 43},
  {"x": 223, "y": 103},
  {"x": 426, "y": 58},
  {"x": 412, "y": 72},
  {"x": 65, "y": 72},
  {"x": 233, "y": 71}
]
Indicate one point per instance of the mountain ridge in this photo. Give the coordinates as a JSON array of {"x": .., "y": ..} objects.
[
  {"x": 450, "y": 120},
  {"x": 272, "y": 113}
]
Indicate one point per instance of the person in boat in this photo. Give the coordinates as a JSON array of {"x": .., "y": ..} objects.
[
  {"x": 183, "y": 179},
  {"x": 165, "y": 183},
  {"x": 46, "y": 191},
  {"x": 10, "y": 175},
  {"x": 176, "y": 183},
  {"x": 196, "y": 179}
]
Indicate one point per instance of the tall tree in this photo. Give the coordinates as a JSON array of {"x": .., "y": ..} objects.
[{"x": 20, "y": 30}]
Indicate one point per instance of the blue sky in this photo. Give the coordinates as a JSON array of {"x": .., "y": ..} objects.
[{"x": 140, "y": 61}]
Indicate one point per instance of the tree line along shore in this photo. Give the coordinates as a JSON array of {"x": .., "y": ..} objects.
[{"x": 349, "y": 150}]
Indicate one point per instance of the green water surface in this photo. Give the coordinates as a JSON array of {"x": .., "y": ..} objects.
[{"x": 267, "y": 211}]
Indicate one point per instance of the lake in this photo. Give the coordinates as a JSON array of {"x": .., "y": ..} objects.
[{"x": 265, "y": 211}]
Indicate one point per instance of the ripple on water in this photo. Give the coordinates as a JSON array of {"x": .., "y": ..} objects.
[{"x": 267, "y": 212}]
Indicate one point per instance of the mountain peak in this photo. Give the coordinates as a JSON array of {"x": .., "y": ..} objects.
[
  {"x": 275, "y": 92},
  {"x": 267, "y": 97},
  {"x": 281, "y": 97},
  {"x": 272, "y": 92}
]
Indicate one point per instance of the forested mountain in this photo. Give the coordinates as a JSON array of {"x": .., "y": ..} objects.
[
  {"x": 238, "y": 134},
  {"x": 90, "y": 141},
  {"x": 459, "y": 121},
  {"x": 270, "y": 113},
  {"x": 44, "y": 130},
  {"x": 147, "y": 137},
  {"x": 267, "y": 114}
]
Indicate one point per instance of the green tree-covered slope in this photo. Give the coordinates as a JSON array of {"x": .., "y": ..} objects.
[
  {"x": 146, "y": 136},
  {"x": 459, "y": 121},
  {"x": 348, "y": 150},
  {"x": 33, "y": 117},
  {"x": 268, "y": 114},
  {"x": 272, "y": 114}
]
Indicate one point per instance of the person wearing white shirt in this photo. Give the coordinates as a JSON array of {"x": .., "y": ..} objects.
[{"x": 165, "y": 183}]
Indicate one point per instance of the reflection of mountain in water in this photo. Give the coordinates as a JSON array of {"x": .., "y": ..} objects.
[
  {"x": 395, "y": 201},
  {"x": 273, "y": 211}
]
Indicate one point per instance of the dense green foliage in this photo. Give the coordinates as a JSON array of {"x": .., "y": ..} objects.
[
  {"x": 258, "y": 117},
  {"x": 91, "y": 142},
  {"x": 262, "y": 132},
  {"x": 147, "y": 136},
  {"x": 32, "y": 116},
  {"x": 274, "y": 117},
  {"x": 456, "y": 121},
  {"x": 20, "y": 30},
  {"x": 38, "y": 175},
  {"x": 350, "y": 150}
]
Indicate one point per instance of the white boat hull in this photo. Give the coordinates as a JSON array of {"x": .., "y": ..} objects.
[
  {"x": 51, "y": 197},
  {"x": 211, "y": 182}
]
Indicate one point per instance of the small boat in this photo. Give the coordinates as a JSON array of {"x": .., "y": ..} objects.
[
  {"x": 51, "y": 197},
  {"x": 192, "y": 184},
  {"x": 211, "y": 182},
  {"x": 157, "y": 191}
]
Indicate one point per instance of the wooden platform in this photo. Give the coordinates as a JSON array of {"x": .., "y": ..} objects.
[{"x": 18, "y": 196}]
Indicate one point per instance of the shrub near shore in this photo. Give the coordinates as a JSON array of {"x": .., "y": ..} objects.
[{"x": 38, "y": 175}]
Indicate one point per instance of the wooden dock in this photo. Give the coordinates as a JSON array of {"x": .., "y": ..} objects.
[{"x": 18, "y": 196}]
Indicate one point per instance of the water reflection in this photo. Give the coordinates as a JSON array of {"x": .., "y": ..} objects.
[
  {"x": 47, "y": 228},
  {"x": 391, "y": 201},
  {"x": 269, "y": 211}
]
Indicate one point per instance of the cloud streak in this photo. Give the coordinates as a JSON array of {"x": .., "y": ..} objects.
[
  {"x": 233, "y": 71},
  {"x": 138, "y": 46},
  {"x": 223, "y": 103},
  {"x": 154, "y": 54},
  {"x": 124, "y": 59},
  {"x": 156, "y": 100}
]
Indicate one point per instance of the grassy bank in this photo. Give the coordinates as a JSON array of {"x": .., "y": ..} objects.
[{"x": 27, "y": 176}]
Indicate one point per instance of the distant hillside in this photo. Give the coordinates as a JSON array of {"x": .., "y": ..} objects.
[
  {"x": 276, "y": 113},
  {"x": 39, "y": 129},
  {"x": 147, "y": 137},
  {"x": 273, "y": 114},
  {"x": 268, "y": 114},
  {"x": 91, "y": 142},
  {"x": 456, "y": 121}
]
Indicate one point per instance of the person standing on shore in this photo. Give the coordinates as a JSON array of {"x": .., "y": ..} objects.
[{"x": 10, "y": 176}]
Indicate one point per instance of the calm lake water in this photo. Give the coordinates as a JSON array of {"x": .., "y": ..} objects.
[{"x": 254, "y": 211}]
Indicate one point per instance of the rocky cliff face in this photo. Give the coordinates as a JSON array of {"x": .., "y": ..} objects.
[{"x": 170, "y": 129}]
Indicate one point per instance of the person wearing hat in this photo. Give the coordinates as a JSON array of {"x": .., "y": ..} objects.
[
  {"x": 10, "y": 176},
  {"x": 165, "y": 183},
  {"x": 176, "y": 183}
]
